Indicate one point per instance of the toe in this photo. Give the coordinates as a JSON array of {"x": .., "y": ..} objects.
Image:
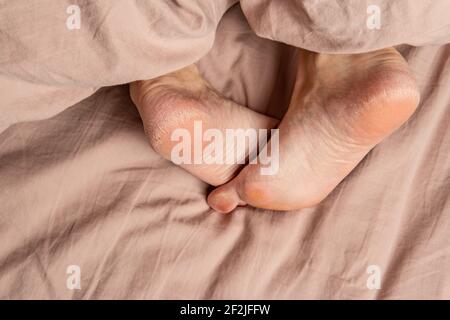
[
  {"x": 225, "y": 199},
  {"x": 250, "y": 188}
]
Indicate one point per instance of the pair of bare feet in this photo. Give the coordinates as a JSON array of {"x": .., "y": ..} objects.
[{"x": 341, "y": 107}]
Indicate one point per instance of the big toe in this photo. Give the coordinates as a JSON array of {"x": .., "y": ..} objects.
[
  {"x": 249, "y": 187},
  {"x": 224, "y": 199}
]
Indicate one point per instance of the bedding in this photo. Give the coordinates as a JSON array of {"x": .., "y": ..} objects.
[{"x": 80, "y": 186}]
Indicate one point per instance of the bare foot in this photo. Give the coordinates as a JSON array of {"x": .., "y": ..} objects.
[
  {"x": 342, "y": 106},
  {"x": 183, "y": 100}
]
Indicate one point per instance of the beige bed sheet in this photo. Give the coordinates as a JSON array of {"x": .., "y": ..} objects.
[{"x": 79, "y": 184}]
